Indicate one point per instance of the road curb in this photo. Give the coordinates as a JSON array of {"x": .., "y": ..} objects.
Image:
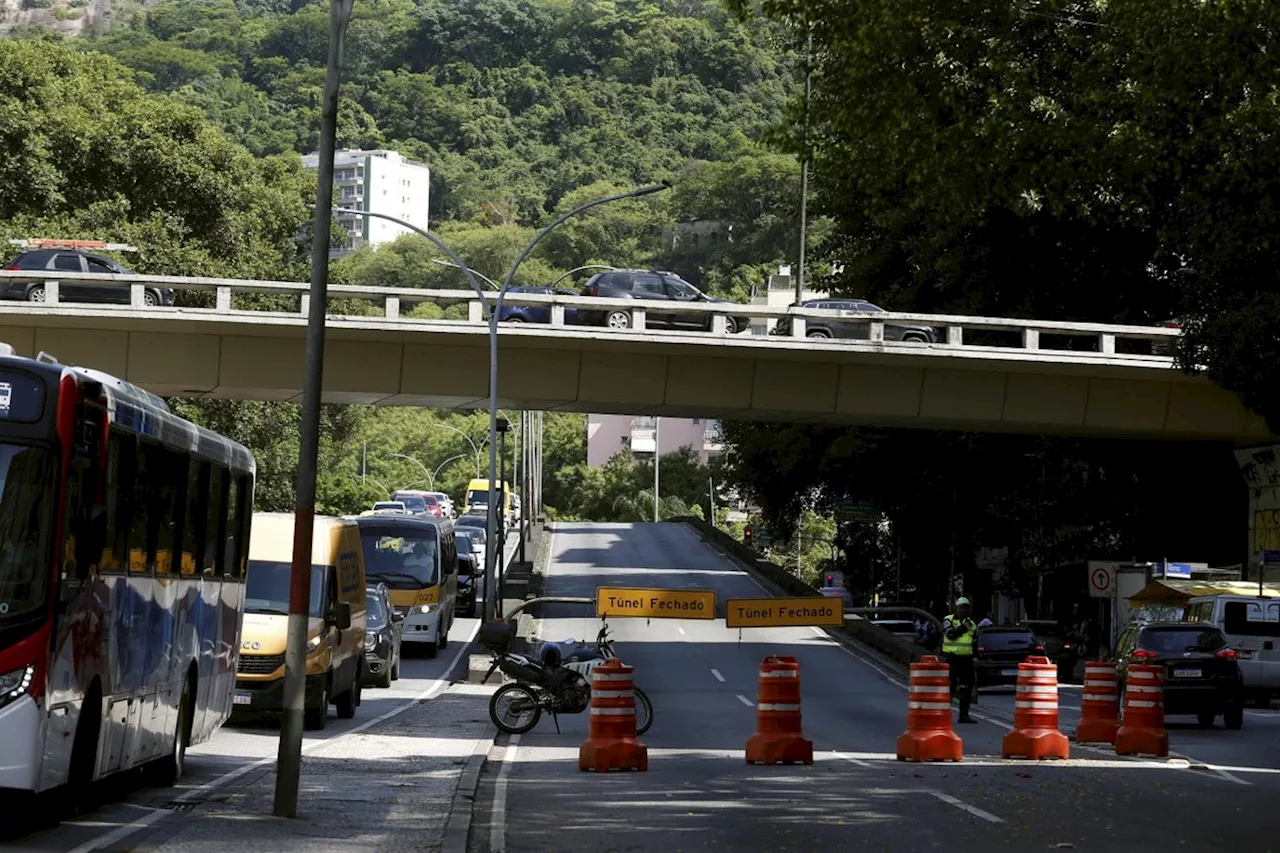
[{"x": 457, "y": 829}]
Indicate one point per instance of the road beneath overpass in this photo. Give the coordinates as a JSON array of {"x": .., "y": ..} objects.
[{"x": 699, "y": 793}]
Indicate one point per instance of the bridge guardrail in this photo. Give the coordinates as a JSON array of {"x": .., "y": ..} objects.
[{"x": 951, "y": 329}]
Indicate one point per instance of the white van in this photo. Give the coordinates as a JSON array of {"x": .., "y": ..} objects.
[{"x": 1252, "y": 626}]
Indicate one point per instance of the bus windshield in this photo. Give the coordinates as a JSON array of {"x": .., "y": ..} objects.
[
  {"x": 266, "y": 588},
  {"x": 478, "y": 497},
  {"x": 27, "y": 495},
  {"x": 400, "y": 561}
]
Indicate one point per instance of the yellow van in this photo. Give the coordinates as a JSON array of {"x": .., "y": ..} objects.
[
  {"x": 478, "y": 497},
  {"x": 417, "y": 558},
  {"x": 335, "y": 633}
]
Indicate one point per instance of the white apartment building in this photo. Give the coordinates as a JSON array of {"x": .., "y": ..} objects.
[
  {"x": 609, "y": 434},
  {"x": 380, "y": 182},
  {"x": 780, "y": 292}
]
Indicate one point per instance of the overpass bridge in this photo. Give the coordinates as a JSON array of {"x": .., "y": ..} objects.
[{"x": 983, "y": 374}]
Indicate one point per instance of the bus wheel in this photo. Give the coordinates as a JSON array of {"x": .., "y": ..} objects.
[
  {"x": 349, "y": 701},
  {"x": 169, "y": 770},
  {"x": 443, "y": 639}
]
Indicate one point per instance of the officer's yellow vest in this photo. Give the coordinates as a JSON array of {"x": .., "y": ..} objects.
[{"x": 962, "y": 645}]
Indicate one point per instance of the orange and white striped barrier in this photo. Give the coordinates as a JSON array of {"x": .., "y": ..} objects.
[
  {"x": 1035, "y": 713},
  {"x": 778, "y": 738},
  {"x": 612, "y": 743},
  {"x": 1100, "y": 705},
  {"x": 1142, "y": 730},
  {"x": 929, "y": 736}
]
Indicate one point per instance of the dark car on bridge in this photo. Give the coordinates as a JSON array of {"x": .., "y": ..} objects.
[
  {"x": 849, "y": 329},
  {"x": 1201, "y": 675},
  {"x": 537, "y": 313},
  {"x": 653, "y": 285},
  {"x": 75, "y": 261},
  {"x": 997, "y": 651}
]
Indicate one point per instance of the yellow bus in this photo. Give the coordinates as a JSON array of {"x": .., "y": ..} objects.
[
  {"x": 417, "y": 558},
  {"x": 478, "y": 497}
]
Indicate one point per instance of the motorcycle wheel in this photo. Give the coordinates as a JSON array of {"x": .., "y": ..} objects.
[
  {"x": 518, "y": 699},
  {"x": 644, "y": 712}
]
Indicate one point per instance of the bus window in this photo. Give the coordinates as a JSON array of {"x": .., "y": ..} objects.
[
  {"x": 192, "y": 516},
  {"x": 162, "y": 481},
  {"x": 122, "y": 475},
  {"x": 214, "y": 495},
  {"x": 239, "y": 509},
  {"x": 142, "y": 551}
]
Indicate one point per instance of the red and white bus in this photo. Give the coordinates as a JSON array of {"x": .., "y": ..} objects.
[{"x": 124, "y": 536}]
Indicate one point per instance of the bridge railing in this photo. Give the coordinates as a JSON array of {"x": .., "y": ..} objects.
[{"x": 644, "y": 316}]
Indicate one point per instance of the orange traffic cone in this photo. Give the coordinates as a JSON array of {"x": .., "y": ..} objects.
[
  {"x": 1100, "y": 706},
  {"x": 1035, "y": 713},
  {"x": 612, "y": 743},
  {"x": 778, "y": 738},
  {"x": 1142, "y": 731},
  {"x": 929, "y": 736}
]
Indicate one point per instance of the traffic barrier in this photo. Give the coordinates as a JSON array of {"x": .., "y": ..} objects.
[
  {"x": 778, "y": 738},
  {"x": 612, "y": 743},
  {"x": 1100, "y": 706},
  {"x": 1035, "y": 713},
  {"x": 1142, "y": 730},
  {"x": 929, "y": 736}
]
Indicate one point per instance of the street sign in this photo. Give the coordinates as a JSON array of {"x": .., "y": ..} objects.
[
  {"x": 1178, "y": 571},
  {"x": 656, "y": 603},
  {"x": 1102, "y": 581},
  {"x": 783, "y": 612},
  {"x": 849, "y": 510}
]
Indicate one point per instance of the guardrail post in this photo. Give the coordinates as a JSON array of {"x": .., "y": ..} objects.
[
  {"x": 222, "y": 300},
  {"x": 955, "y": 336},
  {"x": 393, "y": 307},
  {"x": 1107, "y": 344},
  {"x": 475, "y": 311},
  {"x": 1031, "y": 339},
  {"x": 797, "y": 327},
  {"x": 875, "y": 331},
  {"x": 719, "y": 324},
  {"x": 137, "y": 295},
  {"x": 51, "y": 293},
  {"x": 306, "y": 304},
  {"x": 557, "y": 315},
  {"x": 637, "y": 319}
]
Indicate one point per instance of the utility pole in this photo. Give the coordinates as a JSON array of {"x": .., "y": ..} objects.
[
  {"x": 364, "y": 463},
  {"x": 711, "y": 495},
  {"x": 289, "y": 755},
  {"x": 804, "y": 165},
  {"x": 657, "y": 454}
]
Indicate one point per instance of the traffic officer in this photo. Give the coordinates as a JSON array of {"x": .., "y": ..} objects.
[{"x": 958, "y": 632}]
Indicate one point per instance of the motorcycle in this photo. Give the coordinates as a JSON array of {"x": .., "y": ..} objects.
[{"x": 565, "y": 689}]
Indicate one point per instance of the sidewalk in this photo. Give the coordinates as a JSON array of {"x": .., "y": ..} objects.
[{"x": 391, "y": 787}]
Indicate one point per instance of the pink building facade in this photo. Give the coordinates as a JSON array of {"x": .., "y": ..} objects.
[{"x": 608, "y": 435}]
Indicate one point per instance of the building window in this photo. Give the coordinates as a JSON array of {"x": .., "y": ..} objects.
[
  {"x": 623, "y": 439},
  {"x": 697, "y": 421}
]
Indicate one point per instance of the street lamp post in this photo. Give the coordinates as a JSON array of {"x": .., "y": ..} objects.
[
  {"x": 424, "y": 468},
  {"x": 444, "y": 263},
  {"x": 474, "y": 449},
  {"x": 494, "y": 312},
  {"x": 440, "y": 467},
  {"x": 503, "y": 426},
  {"x": 580, "y": 269}
]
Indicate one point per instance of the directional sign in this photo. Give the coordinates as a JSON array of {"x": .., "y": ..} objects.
[
  {"x": 656, "y": 603},
  {"x": 850, "y": 511},
  {"x": 1102, "y": 582},
  {"x": 783, "y": 612}
]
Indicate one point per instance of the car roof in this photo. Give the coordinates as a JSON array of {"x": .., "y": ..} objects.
[{"x": 1198, "y": 626}]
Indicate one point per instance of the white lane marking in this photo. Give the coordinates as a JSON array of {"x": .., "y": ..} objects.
[
  {"x": 745, "y": 701},
  {"x": 498, "y": 820},
  {"x": 681, "y": 630},
  {"x": 1197, "y": 764},
  {"x": 716, "y": 673},
  {"x": 852, "y": 760},
  {"x": 963, "y": 806},
  {"x": 437, "y": 685}
]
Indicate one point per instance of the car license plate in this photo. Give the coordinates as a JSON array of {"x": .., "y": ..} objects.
[
  {"x": 1008, "y": 672},
  {"x": 1186, "y": 672},
  {"x": 241, "y": 699},
  {"x": 1244, "y": 654}
]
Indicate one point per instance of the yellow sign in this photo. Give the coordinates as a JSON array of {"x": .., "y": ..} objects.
[
  {"x": 783, "y": 612},
  {"x": 656, "y": 603}
]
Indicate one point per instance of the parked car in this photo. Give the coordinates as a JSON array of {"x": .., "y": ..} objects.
[
  {"x": 537, "y": 313},
  {"x": 477, "y": 544},
  {"x": 997, "y": 651},
  {"x": 383, "y": 631},
  {"x": 390, "y": 506},
  {"x": 75, "y": 260},
  {"x": 470, "y": 575},
  {"x": 652, "y": 285},
  {"x": 446, "y": 504},
  {"x": 1202, "y": 676},
  {"x": 848, "y": 329},
  {"x": 1057, "y": 642}
]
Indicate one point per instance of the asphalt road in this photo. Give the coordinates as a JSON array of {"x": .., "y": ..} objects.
[
  {"x": 233, "y": 755},
  {"x": 699, "y": 793}
]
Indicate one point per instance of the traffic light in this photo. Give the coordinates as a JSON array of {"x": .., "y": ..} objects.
[
  {"x": 746, "y": 536},
  {"x": 831, "y": 580}
]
